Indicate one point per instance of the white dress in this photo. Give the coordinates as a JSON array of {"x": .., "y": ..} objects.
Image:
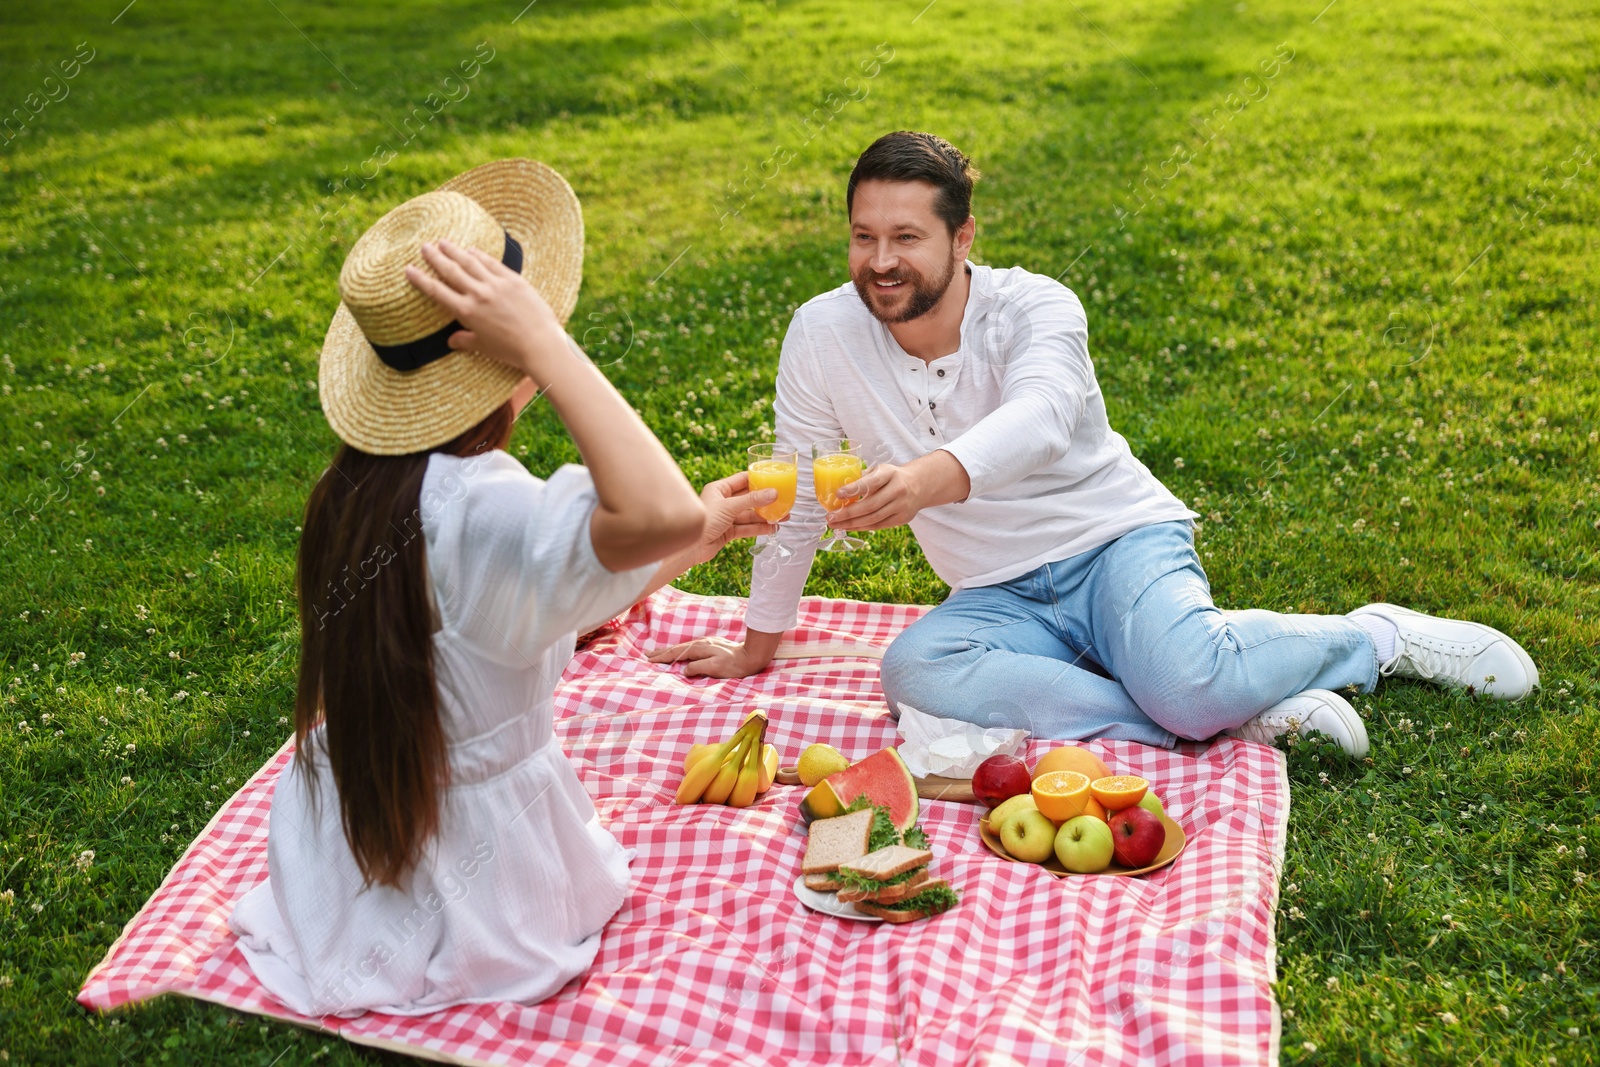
[{"x": 511, "y": 895}]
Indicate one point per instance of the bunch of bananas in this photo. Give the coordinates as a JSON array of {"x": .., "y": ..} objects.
[{"x": 734, "y": 772}]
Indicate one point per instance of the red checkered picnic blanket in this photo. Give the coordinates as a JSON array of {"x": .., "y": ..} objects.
[{"x": 713, "y": 960}]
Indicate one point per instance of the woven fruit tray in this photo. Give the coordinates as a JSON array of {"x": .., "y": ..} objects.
[{"x": 1174, "y": 844}]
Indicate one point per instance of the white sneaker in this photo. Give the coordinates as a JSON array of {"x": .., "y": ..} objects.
[
  {"x": 1455, "y": 653},
  {"x": 1314, "y": 709}
]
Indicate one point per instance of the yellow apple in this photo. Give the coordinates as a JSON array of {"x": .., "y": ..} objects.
[
  {"x": 1152, "y": 804},
  {"x": 1084, "y": 845},
  {"x": 1028, "y": 836}
]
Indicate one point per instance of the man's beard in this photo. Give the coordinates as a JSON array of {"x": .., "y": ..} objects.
[{"x": 924, "y": 293}]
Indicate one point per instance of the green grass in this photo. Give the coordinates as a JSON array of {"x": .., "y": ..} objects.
[{"x": 1352, "y": 321}]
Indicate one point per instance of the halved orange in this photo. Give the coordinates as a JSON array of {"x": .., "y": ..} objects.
[
  {"x": 1061, "y": 795},
  {"x": 1072, "y": 758},
  {"x": 1095, "y": 808},
  {"x": 1119, "y": 791}
]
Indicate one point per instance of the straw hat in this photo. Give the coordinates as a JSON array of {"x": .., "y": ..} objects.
[{"x": 390, "y": 382}]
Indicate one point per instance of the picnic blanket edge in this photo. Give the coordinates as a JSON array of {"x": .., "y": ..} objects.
[{"x": 85, "y": 997}]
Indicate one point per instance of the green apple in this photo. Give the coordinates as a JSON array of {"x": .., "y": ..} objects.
[
  {"x": 1029, "y": 836},
  {"x": 1152, "y": 804},
  {"x": 1007, "y": 808},
  {"x": 1084, "y": 845}
]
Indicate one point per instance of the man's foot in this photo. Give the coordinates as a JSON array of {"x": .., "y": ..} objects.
[
  {"x": 1314, "y": 709},
  {"x": 1454, "y": 653}
]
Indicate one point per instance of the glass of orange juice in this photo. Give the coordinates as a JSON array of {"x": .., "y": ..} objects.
[
  {"x": 774, "y": 467},
  {"x": 835, "y": 464}
]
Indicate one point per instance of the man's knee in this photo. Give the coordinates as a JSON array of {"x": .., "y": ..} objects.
[
  {"x": 905, "y": 664},
  {"x": 1195, "y": 701},
  {"x": 925, "y": 664}
]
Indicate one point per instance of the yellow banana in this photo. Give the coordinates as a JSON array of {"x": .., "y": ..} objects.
[
  {"x": 746, "y": 788},
  {"x": 722, "y": 785},
  {"x": 704, "y": 765},
  {"x": 743, "y": 788},
  {"x": 755, "y": 726},
  {"x": 769, "y": 767},
  {"x": 703, "y": 772},
  {"x": 704, "y": 762}
]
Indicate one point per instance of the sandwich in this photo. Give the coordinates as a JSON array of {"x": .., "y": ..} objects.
[
  {"x": 884, "y": 876},
  {"x": 893, "y": 884},
  {"x": 832, "y": 842},
  {"x": 869, "y": 863},
  {"x": 930, "y": 898}
]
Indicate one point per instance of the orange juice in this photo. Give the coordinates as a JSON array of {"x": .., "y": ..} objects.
[
  {"x": 775, "y": 474},
  {"x": 830, "y": 473}
]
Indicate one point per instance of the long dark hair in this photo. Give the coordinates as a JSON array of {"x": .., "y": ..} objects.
[{"x": 366, "y": 652}]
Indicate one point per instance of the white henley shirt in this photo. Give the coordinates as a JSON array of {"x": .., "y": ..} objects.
[{"x": 1017, "y": 404}]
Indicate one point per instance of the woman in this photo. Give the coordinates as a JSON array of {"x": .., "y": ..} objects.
[{"x": 430, "y": 844}]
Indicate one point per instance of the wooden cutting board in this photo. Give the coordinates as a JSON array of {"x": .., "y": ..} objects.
[{"x": 932, "y": 787}]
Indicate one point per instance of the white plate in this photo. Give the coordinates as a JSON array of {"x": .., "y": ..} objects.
[{"x": 829, "y": 904}]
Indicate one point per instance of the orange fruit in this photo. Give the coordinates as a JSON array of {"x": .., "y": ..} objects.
[
  {"x": 1061, "y": 795},
  {"x": 1095, "y": 808},
  {"x": 1072, "y": 758},
  {"x": 1119, "y": 791}
]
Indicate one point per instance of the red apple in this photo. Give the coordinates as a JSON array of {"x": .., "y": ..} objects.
[
  {"x": 1139, "y": 836},
  {"x": 999, "y": 778}
]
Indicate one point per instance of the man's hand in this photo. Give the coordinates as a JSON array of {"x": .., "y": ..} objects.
[
  {"x": 893, "y": 495},
  {"x": 717, "y": 657},
  {"x": 730, "y": 516}
]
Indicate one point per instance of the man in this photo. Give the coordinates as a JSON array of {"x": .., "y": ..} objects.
[{"x": 1078, "y": 608}]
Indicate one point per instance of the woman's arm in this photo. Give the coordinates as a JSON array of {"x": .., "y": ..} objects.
[{"x": 647, "y": 510}]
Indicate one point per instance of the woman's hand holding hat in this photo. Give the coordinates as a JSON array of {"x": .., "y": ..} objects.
[
  {"x": 646, "y": 510},
  {"x": 504, "y": 317},
  {"x": 393, "y": 376}
]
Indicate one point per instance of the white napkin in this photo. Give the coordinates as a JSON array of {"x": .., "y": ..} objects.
[{"x": 951, "y": 748}]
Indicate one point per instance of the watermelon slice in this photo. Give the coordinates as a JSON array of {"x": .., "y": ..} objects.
[{"x": 882, "y": 778}]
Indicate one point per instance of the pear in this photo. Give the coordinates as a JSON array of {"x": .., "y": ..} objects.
[
  {"x": 1007, "y": 808},
  {"x": 819, "y": 761}
]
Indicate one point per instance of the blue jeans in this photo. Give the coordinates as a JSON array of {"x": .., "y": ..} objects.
[{"x": 1120, "y": 642}]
